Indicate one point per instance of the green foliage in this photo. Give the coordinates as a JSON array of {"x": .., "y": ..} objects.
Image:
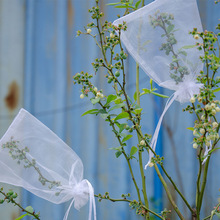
[{"x": 10, "y": 197}]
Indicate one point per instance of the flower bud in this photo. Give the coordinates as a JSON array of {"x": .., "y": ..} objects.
[
  {"x": 195, "y": 145},
  {"x": 196, "y": 36},
  {"x": 112, "y": 35},
  {"x": 208, "y": 138},
  {"x": 207, "y": 144},
  {"x": 199, "y": 99},
  {"x": 214, "y": 124},
  {"x": 192, "y": 100},
  {"x": 194, "y": 132},
  {"x": 202, "y": 130},
  {"x": 151, "y": 164},
  {"x": 142, "y": 142},
  {"x": 95, "y": 89},
  {"x": 89, "y": 31},
  {"x": 82, "y": 96},
  {"x": 213, "y": 105},
  {"x": 203, "y": 117},
  {"x": 207, "y": 107},
  {"x": 212, "y": 137},
  {"x": 99, "y": 95},
  {"x": 213, "y": 112},
  {"x": 217, "y": 109}
]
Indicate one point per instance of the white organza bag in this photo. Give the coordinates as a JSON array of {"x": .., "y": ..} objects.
[
  {"x": 158, "y": 38},
  {"x": 33, "y": 157}
]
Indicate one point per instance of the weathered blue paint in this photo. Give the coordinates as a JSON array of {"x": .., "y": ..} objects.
[
  {"x": 158, "y": 193},
  {"x": 52, "y": 56}
]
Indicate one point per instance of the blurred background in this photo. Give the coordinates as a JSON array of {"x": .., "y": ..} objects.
[{"x": 39, "y": 54}]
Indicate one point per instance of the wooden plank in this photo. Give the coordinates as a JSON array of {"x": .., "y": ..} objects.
[{"x": 11, "y": 76}]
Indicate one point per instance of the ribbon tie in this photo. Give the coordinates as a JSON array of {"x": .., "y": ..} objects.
[
  {"x": 81, "y": 193},
  {"x": 184, "y": 92}
]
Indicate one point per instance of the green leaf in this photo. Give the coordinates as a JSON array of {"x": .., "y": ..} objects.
[
  {"x": 94, "y": 100},
  {"x": 133, "y": 151},
  {"x": 104, "y": 115},
  {"x": 117, "y": 106},
  {"x": 146, "y": 91},
  {"x": 137, "y": 4},
  {"x": 110, "y": 98},
  {"x": 118, "y": 154},
  {"x": 92, "y": 111},
  {"x": 129, "y": 99},
  {"x": 190, "y": 128},
  {"x": 125, "y": 6},
  {"x": 29, "y": 209},
  {"x": 138, "y": 110},
  {"x": 116, "y": 148},
  {"x": 127, "y": 137},
  {"x": 22, "y": 216},
  {"x": 160, "y": 95},
  {"x": 151, "y": 84},
  {"x": 217, "y": 214},
  {"x": 216, "y": 90},
  {"x": 188, "y": 47},
  {"x": 135, "y": 96},
  {"x": 211, "y": 152},
  {"x": 123, "y": 134},
  {"x": 170, "y": 28},
  {"x": 122, "y": 127},
  {"x": 122, "y": 115},
  {"x": 131, "y": 2},
  {"x": 112, "y": 4},
  {"x": 182, "y": 52}
]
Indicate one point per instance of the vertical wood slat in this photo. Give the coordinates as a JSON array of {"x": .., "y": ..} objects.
[{"x": 11, "y": 76}]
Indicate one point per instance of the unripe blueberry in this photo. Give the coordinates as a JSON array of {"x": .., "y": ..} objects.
[{"x": 117, "y": 73}]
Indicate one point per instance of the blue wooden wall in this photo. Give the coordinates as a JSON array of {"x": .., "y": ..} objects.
[{"x": 39, "y": 54}]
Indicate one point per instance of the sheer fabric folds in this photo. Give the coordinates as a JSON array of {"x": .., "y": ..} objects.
[
  {"x": 33, "y": 157},
  {"x": 158, "y": 38}
]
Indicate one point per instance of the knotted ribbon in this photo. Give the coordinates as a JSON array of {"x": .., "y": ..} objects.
[{"x": 185, "y": 91}]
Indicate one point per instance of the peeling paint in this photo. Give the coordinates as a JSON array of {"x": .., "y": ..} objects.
[{"x": 12, "y": 98}]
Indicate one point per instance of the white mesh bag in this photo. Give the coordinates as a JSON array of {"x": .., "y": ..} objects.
[
  {"x": 33, "y": 157},
  {"x": 158, "y": 38}
]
